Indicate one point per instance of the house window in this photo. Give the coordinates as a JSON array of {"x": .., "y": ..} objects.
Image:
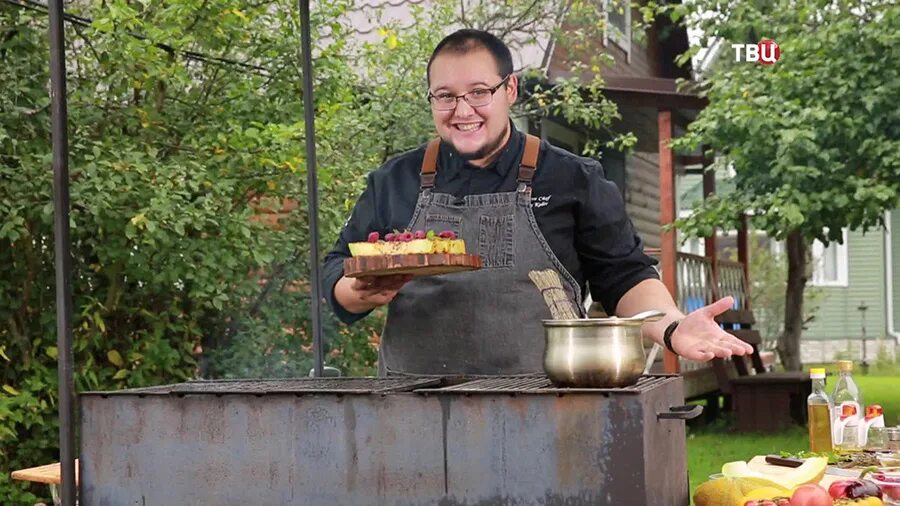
[
  {"x": 618, "y": 25},
  {"x": 830, "y": 263},
  {"x": 561, "y": 136},
  {"x": 614, "y": 167}
]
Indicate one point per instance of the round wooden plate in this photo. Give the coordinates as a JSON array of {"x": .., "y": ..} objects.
[{"x": 418, "y": 264}]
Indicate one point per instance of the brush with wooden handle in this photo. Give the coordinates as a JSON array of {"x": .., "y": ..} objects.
[{"x": 548, "y": 282}]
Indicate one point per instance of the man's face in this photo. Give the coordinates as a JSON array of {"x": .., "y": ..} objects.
[{"x": 477, "y": 133}]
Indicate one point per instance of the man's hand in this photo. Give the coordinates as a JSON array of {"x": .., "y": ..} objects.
[
  {"x": 358, "y": 295},
  {"x": 699, "y": 337}
]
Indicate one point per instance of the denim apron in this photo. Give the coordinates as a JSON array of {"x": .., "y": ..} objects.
[{"x": 482, "y": 322}]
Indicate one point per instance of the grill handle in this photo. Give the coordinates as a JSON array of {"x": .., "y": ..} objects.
[{"x": 685, "y": 412}]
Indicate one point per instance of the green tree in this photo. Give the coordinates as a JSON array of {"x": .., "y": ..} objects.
[
  {"x": 768, "y": 275},
  {"x": 175, "y": 159},
  {"x": 814, "y": 139}
]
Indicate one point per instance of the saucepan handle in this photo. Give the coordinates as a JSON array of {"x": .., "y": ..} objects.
[{"x": 685, "y": 412}]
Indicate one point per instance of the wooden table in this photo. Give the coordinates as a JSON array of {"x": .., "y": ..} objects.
[{"x": 51, "y": 474}]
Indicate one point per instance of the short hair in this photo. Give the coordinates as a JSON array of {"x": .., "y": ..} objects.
[{"x": 467, "y": 40}]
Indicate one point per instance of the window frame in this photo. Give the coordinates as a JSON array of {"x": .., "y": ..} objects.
[
  {"x": 843, "y": 264},
  {"x": 613, "y": 33}
]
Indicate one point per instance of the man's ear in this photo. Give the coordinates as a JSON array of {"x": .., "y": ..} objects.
[{"x": 512, "y": 88}]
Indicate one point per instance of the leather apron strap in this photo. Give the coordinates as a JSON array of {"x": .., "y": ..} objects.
[
  {"x": 529, "y": 159},
  {"x": 526, "y": 169},
  {"x": 429, "y": 165}
]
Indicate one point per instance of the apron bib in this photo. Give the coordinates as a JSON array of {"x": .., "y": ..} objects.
[{"x": 482, "y": 322}]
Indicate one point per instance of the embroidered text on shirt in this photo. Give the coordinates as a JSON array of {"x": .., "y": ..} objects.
[{"x": 540, "y": 201}]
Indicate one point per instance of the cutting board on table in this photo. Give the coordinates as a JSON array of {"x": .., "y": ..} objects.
[{"x": 832, "y": 473}]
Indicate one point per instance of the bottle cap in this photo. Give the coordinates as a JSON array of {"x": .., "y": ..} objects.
[
  {"x": 817, "y": 373},
  {"x": 845, "y": 365},
  {"x": 848, "y": 410},
  {"x": 873, "y": 410}
]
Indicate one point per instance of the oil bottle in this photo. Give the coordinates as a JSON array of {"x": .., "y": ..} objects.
[{"x": 819, "y": 408}]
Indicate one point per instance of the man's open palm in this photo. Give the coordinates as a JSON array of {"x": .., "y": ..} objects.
[{"x": 699, "y": 337}]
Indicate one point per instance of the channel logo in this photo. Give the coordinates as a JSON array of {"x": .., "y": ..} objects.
[{"x": 766, "y": 52}]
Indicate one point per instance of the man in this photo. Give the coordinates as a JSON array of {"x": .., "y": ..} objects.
[{"x": 562, "y": 215}]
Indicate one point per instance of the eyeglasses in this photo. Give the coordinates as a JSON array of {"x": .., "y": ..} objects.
[{"x": 478, "y": 97}]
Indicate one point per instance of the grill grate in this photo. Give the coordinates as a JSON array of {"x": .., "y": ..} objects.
[
  {"x": 285, "y": 386},
  {"x": 367, "y": 385},
  {"x": 541, "y": 385}
]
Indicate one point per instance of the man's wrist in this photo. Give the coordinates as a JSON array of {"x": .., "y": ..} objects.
[{"x": 667, "y": 336}]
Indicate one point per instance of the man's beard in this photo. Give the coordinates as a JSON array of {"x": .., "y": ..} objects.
[{"x": 485, "y": 150}]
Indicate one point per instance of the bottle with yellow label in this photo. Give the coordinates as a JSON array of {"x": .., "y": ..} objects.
[{"x": 819, "y": 407}]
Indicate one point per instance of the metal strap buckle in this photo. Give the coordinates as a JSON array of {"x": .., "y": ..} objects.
[{"x": 427, "y": 180}]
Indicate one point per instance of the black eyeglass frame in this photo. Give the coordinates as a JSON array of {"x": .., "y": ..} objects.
[{"x": 464, "y": 96}]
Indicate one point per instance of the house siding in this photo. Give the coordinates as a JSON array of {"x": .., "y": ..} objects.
[
  {"x": 643, "y": 56},
  {"x": 643, "y": 62},
  {"x": 838, "y": 316},
  {"x": 642, "y": 196}
]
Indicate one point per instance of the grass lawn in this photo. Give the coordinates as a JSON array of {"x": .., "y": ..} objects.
[{"x": 711, "y": 446}]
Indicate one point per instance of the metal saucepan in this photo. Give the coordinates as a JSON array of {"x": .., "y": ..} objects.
[{"x": 596, "y": 352}]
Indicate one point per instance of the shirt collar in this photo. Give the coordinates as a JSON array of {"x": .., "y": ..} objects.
[{"x": 450, "y": 161}]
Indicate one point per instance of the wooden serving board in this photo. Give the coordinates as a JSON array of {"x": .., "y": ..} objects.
[
  {"x": 419, "y": 264},
  {"x": 759, "y": 464}
]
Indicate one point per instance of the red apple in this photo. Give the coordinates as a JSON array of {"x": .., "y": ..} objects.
[{"x": 811, "y": 495}]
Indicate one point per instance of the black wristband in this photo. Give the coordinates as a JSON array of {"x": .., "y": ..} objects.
[{"x": 667, "y": 335}]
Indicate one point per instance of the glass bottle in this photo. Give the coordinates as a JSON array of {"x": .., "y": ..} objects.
[
  {"x": 871, "y": 428},
  {"x": 847, "y": 408},
  {"x": 819, "y": 408}
]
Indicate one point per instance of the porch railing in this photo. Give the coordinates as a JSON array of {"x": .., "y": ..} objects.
[
  {"x": 733, "y": 282},
  {"x": 698, "y": 284},
  {"x": 695, "y": 284}
]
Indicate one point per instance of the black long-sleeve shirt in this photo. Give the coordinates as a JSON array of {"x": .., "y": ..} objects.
[{"x": 580, "y": 213}]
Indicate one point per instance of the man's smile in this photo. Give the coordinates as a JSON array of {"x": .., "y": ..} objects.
[{"x": 468, "y": 127}]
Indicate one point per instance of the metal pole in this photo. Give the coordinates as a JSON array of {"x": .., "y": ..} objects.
[
  {"x": 862, "y": 309},
  {"x": 312, "y": 189},
  {"x": 62, "y": 251}
]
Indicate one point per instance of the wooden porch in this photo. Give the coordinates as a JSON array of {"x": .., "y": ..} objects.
[
  {"x": 762, "y": 400},
  {"x": 694, "y": 281},
  {"x": 700, "y": 281}
]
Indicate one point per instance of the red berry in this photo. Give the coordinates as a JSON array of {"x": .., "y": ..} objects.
[
  {"x": 373, "y": 237},
  {"x": 420, "y": 234},
  {"x": 447, "y": 234},
  {"x": 390, "y": 236},
  {"x": 406, "y": 236}
]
